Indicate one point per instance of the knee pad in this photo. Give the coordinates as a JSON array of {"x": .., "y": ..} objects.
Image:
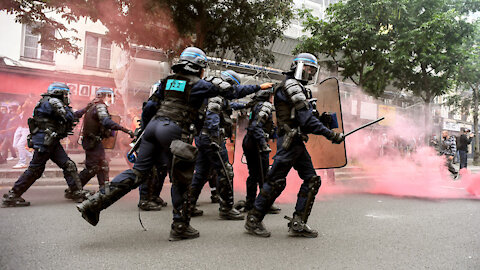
[
  {"x": 278, "y": 185},
  {"x": 314, "y": 184},
  {"x": 69, "y": 166}
]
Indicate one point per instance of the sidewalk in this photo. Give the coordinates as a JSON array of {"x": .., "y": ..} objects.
[{"x": 53, "y": 175}]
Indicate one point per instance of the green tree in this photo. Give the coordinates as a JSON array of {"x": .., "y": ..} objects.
[
  {"x": 467, "y": 97},
  {"x": 413, "y": 44},
  {"x": 245, "y": 27}
]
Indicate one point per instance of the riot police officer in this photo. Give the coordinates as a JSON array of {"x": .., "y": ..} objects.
[
  {"x": 212, "y": 152},
  {"x": 167, "y": 140},
  {"x": 98, "y": 125},
  {"x": 295, "y": 120},
  {"x": 52, "y": 120},
  {"x": 255, "y": 147}
]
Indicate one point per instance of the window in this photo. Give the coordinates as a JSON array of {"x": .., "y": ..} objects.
[
  {"x": 34, "y": 50},
  {"x": 97, "y": 51}
]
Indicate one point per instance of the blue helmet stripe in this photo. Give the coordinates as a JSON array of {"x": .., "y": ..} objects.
[
  {"x": 229, "y": 75},
  {"x": 58, "y": 87},
  {"x": 194, "y": 54},
  {"x": 305, "y": 59}
]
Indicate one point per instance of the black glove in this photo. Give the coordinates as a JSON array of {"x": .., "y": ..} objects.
[
  {"x": 265, "y": 148},
  {"x": 215, "y": 146},
  {"x": 129, "y": 132},
  {"x": 336, "y": 137}
]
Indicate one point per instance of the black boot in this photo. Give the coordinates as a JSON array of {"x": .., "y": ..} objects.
[
  {"x": 11, "y": 199},
  {"x": 298, "y": 228},
  {"x": 230, "y": 214},
  {"x": 147, "y": 205},
  {"x": 160, "y": 201},
  {"x": 240, "y": 206},
  {"x": 77, "y": 196},
  {"x": 254, "y": 224},
  {"x": 91, "y": 208},
  {"x": 274, "y": 209},
  {"x": 196, "y": 212},
  {"x": 181, "y": 231},
  {"x": 214, "y": 198}
]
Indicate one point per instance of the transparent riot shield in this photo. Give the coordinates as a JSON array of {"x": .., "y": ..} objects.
[{"x": 324, "y": 153}]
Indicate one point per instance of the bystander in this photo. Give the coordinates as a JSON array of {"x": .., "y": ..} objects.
[{"x": 463, "y": 141}]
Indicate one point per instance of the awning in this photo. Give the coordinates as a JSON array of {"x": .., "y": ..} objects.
[{"x": 26, "y": 81}]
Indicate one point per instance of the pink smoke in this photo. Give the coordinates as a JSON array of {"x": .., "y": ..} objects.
[{"x": 388, "y": 160}]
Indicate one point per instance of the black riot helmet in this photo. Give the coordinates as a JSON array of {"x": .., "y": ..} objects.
[
  {"x": 60, "y": 91},
  {"x": 305, "y": 68},
  {"x": 263, "y": 95},
  {"x": 192, "y": 60},
  {"x": 231, "y": 76}
]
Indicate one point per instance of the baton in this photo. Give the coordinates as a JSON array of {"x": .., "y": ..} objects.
[
  {"x": 131, "y": 154},
  {"x": 364, "y": 126}
]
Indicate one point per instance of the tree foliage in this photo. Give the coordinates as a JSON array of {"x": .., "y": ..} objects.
[
  {"x": 245, "y": 27},
  {"x": 413, "y": 44},
  {"x": 467, "y": 97}
]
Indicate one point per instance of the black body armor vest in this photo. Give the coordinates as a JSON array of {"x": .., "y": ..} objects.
[
  {"x": 92, "y": 126},
  {"x": 176, "y": 103},
  {"x": 38, "y": 123}
]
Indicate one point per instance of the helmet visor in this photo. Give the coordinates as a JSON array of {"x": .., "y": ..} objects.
[{"x": 306, "y": 72}]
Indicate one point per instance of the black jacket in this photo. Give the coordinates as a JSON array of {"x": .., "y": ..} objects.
[{"x": 463, "y": 142}]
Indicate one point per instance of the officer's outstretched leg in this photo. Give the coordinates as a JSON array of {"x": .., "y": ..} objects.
[
  {"x": 117, "y": 188},
  {"x": 13, "y": 197}
]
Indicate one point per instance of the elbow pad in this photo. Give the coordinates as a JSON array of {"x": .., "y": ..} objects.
[
  {"x": 215, "y": 105},
  {"x": 295, "y": 93},
  {"x": 102, "y": 112},
  {"x": 58, "y": 107},
  {"x": 265, "y": 112},
  {"x": 224, "y": 86}
]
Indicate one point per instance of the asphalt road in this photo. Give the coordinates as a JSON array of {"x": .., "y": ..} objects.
[{"x": 356, "y": 232}]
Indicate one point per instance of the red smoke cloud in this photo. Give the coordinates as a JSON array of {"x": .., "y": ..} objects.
[{"x": 388, "y": 160}]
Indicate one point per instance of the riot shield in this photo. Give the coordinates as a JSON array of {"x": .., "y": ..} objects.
[
  {"x": 109, "y": 143},
  {"x": 230, "y": 144},
  {"x": 240, "y": 131},
  {"x": 324, "y": 153}
]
